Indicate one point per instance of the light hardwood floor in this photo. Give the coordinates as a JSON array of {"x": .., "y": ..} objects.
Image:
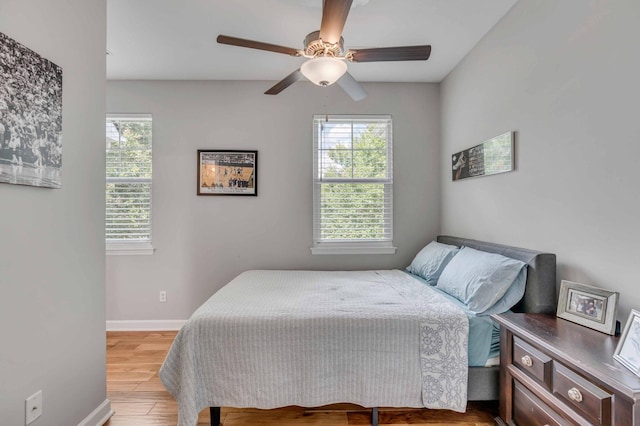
[{"x": 139, "y": 399}]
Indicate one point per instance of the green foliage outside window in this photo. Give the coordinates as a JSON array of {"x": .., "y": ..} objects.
[
  {"x": 129, "y": 175},
  {"x": 355, "y": 210}
]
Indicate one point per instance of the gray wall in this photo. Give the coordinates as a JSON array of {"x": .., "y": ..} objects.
[
  {"x": 52, "y": 314},
  {"x": 203, "y": 242},
  {"x": 563, "y": 74}
]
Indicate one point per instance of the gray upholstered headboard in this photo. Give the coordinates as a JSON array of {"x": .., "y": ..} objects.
[{"x": 540, "y": 293}]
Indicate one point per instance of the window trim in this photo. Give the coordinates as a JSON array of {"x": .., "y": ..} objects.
[
  {"x": 369, "y": 247},
  {"x": 350, "y": 246},
  {"x": 132, "y": 248},
  {"x": 114, "y": 247}
]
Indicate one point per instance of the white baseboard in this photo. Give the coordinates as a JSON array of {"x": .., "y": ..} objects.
[
  {"x": 145, "y": 325},
  {"x": 99, "y": 416}
]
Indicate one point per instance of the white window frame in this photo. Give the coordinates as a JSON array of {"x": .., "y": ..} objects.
[
  {"x": 132, "y": 247},
  {"x": 383, "y": 246}
]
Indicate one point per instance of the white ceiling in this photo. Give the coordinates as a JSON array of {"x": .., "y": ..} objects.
[{"x": 176, "y": 39}]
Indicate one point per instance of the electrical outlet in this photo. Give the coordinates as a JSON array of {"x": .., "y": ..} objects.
[
  {"x": 163, "y": 296},
  {"x": 33, "y": 407}
]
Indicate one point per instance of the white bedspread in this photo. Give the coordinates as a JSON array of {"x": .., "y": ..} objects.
[{"x": 276, "y": 338}]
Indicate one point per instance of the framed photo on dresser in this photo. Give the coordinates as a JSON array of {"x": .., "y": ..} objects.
[
  {"x": 587, "y": 305},
  {"x": 628, "y": 349}
]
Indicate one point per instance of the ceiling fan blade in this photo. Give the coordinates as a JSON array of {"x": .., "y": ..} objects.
[
  {"x": 234, "y": 41},
  {"x": 351, "y": 86},
  {"x": 402, "y": 53},
  {"x": 334, "y": 16},
  {"x": 284, "y": 83}
]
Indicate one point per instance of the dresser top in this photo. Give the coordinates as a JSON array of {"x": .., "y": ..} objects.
[{"x": 588, "y": 350}]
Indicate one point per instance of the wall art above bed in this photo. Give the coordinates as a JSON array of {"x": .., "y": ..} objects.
[
  {"x": 489, "y": 158},
  {"x": 227, "y": 172},
  {"x": 30, "y": 117}
]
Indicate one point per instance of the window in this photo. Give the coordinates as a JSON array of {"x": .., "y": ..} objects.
[
  {"x": 353, "y": 185},
  {"x": 128, "y": 214}
]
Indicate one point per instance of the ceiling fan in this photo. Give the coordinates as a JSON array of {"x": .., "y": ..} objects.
[{"x": 324, "y": 50}]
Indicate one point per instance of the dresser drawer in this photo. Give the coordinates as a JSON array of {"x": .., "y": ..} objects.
[
  {"x": 584, "y": 396},
  {"x": 528, "y": 409},
  {"x": 532, "y": 361}
]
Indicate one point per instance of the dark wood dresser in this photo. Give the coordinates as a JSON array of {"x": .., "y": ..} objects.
[{"x": 555, "y": 372}]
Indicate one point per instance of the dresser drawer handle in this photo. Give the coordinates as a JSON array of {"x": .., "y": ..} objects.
[
  {"x": 526, "y": 360},
  {"x": 575, "y": 395}
]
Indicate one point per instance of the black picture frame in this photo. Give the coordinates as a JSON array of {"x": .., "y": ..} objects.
[{"x": 227, "y": 172}]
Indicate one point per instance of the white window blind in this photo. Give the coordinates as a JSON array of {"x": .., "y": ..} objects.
[
  {"x": 129, "y": 182},
  {"x": 353, "y": 184}
]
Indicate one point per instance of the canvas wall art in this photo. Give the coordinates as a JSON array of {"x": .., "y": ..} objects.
[
  {"x": 490, "y": 157},
  {"x": 30, "y": 117}
]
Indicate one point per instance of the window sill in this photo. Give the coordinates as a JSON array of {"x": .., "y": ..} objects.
[
  {"x": 129, "y": 249},
  {"x": 353, "y": 249}
]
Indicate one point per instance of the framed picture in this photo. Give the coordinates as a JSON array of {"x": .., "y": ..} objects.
[
  {"x": 227, "y": 172},
  {"x": 628, "y": 349},
  {"x": 586, "y": 305}
]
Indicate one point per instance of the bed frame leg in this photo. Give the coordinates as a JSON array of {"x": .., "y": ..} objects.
[
  {"x": 374, "y": 416},
  {"x": 215, "y": 416}
]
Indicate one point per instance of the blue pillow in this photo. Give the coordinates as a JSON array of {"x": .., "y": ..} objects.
[
  {"x": 512, "y": 296},
  {"x": 431, "y": 261},
  {"x": 479, "y": 279}
]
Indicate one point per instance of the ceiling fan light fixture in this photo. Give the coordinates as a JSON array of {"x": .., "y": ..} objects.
[{"x": 324, "y": 70}]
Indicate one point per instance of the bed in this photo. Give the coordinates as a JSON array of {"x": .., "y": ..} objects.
[{"x": 270, "y": 339}]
